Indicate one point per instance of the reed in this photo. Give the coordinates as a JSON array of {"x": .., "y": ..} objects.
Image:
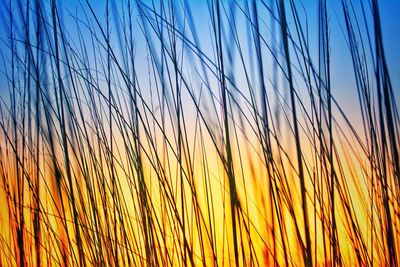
[{"x": 178, "y": 133}]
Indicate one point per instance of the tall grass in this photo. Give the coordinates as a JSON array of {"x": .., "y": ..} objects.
[{"x": 168, "y": 133}]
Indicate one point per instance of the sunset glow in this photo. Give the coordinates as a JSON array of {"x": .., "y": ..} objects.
[{"x": 199, "y": 133}]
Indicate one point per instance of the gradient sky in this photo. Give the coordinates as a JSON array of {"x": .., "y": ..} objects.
[{"x": 342, "y": 73}]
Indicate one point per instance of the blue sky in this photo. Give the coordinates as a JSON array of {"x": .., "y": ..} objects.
[{"x": 343, "y": 80}]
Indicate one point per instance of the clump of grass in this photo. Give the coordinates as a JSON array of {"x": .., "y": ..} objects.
[{"x": 173, "y": 133}]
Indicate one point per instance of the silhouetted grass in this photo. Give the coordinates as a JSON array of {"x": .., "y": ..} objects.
[{"x": 168, "y": 133}]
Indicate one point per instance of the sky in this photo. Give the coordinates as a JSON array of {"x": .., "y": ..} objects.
[
  {"x": 341, "y": 61},
  {"x": 74, "y": 14}
]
